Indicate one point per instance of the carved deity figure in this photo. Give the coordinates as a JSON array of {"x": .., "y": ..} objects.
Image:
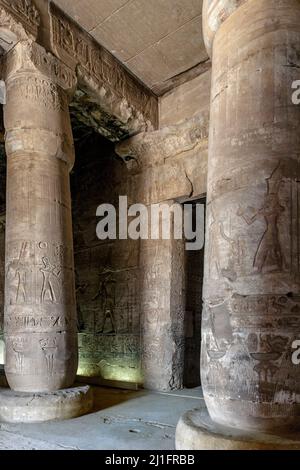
[
  {"x": 20, "y": 347},
  {"x": 49, "y": 271},
  {"x": 269, "y": 253},
  {"x": 216, "y": 234},
  {"x": 107, "y": 292},
  {"x": 16, "y": 275}
]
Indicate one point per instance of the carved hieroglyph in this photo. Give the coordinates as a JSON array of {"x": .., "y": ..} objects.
[
  {"x": 40, "y": 314},
  {"x": 252, "y": 269}
]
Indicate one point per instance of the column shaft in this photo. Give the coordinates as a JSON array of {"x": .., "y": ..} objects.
[
  {"x": 40, "y": 306},
  {"x": 252, "y": 278}
]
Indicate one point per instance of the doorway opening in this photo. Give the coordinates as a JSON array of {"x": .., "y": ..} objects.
[{"x": 194, "y": 271}]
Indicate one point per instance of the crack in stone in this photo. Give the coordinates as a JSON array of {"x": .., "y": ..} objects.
[{"x": 118, "y": 419}]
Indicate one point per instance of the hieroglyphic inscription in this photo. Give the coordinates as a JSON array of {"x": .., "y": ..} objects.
[
  {"x": 36, "y": 271},
  {"x": 42, "y": 91}
]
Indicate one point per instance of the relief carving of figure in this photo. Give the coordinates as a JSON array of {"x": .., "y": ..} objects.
[
  {"x": 20, "y": 347},
  {"x": 80, "y": 290},
  {"x": 107, "y": 293},
  {"x": 49, "y": 272},
  {"x": 21, "y": 274},
  {"x": 268, "y": 255},
  {"x": 216, "y": 233},
  {"x": 16, "y": 274}
]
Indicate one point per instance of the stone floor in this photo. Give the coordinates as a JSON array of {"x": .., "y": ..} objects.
[{"x": 129, "y": 420}]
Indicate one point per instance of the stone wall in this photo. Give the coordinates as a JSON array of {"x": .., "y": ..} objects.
[
  {"x": 186, "y": 101},
  {"x": 106, "y": 271}
]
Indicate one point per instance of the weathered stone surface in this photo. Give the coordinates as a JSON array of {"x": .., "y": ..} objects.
[
  {"x": 196, "y": 431},
  {"x": 252, "y": 281},
  {"x": 40, "y": 306},
  {"x": 152, "y": 148},
  {"x": 17, "y": 407}
]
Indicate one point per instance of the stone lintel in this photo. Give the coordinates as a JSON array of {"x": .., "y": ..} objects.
[
  {"x": 149, "y": 149},
  {"x": 115, "y": 90}
]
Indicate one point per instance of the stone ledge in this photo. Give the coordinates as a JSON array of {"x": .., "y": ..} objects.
[
  {"x": 196, "y": 431},
  {"x": 17, "y": 407}
]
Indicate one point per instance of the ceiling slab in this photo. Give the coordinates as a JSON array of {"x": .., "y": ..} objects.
[
  {"x": 90, "y": 13},
  {"x": 168, "y": 58}
]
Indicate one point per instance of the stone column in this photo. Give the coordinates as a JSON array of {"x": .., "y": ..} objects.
[
  {"x": 40, "y": 312},
  {"x": 162, "y": 310},
  {"x": 252, "y": 276}
]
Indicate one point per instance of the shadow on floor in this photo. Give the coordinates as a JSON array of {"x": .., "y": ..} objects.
[{"x": 105, "y": 397}]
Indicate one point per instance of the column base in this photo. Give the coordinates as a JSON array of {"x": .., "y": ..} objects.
[
  {"x": 18, "y": 407},
  {"x": 196, "y": 431}
]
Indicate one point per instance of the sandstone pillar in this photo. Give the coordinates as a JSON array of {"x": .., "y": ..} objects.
[
  {"x": 162, "y": 310},
  {"x": 252, "y": 283},
  {"x": 40, "y": 313}
]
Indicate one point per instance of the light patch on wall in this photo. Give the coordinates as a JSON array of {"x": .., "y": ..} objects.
[{"x": 112, "y": 372}]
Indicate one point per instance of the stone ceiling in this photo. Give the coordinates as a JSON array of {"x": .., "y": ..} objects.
[{"x": 159, "y": 41}]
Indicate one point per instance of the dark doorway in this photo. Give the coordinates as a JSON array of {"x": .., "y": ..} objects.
[{"x": 194, "y": 267}]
